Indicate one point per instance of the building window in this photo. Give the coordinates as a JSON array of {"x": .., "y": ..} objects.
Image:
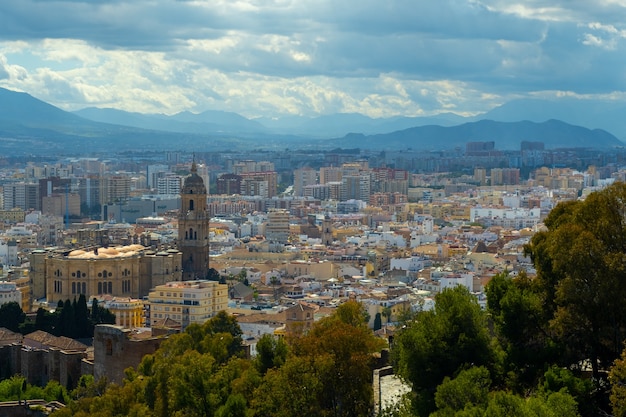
[{"x": 109, "y": 347}]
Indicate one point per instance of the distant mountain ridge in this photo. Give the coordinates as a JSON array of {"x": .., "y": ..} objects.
[
  {"x": 506, "y": 135},
  {"x": 184, "y": 122},
  {"x": 593, "y": 114},
  {"x": 29, "y": 125}
]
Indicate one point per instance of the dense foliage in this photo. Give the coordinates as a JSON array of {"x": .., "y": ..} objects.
[
  {"x": 71, "y": 318},
  {"x": 203, "y": 372},
  {"x": 16, "y": 389}
]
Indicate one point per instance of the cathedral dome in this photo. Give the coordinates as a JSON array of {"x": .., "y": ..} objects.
[{"x": 194, "y": 184}]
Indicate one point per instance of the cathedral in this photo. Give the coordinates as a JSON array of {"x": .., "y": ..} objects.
[
  {"x": 193, "y": 227},
  {"x": 128, "y": 271}
]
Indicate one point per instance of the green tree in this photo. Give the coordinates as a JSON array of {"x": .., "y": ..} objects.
[
  {"x": 617, "y": 379},
  {"x": 242, "y": 275},
  {"x": 515, "y": 306},
  {"x": 11, "y": 316},
  {"x": 226, "y": 323},
  {"x": 213, "y": 275},
  {"x": 293, "y": 389},
  {"x": 84, "y": 328},
  {"x": 67, "y": 321},
  {"x": 45, "y": 320},
  {"x": 469, "y": 389},
  {"x": 580, "y": 269},
  {"x": 378, "y": 323},
  {"x": 440, "y": 343},
  {"x": 95, "y": 318},
  {"x": 341, "y": 346},
  {"x": 271, "y": 353},
  {"x": 274, "y": 281}
]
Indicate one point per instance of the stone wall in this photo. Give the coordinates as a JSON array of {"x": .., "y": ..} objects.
[{"x": 115, "y": 350}]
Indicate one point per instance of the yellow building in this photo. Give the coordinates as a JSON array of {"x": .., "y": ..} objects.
[
  {"x": 187, "y": 301},
  {"x": 129, "y": 312}
]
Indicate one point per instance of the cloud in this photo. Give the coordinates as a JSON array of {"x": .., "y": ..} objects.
[{"x": 266, "y": 57}]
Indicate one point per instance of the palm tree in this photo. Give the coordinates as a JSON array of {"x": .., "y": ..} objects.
[{"x": 274, "y": 280}]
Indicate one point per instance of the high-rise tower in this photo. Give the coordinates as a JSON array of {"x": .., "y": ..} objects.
[{"x": 193, "y": 227}]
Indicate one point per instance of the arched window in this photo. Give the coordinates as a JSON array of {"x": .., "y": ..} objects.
[
  {"x": 190, "y": 205},
  {"x": 190, "y": 233}
]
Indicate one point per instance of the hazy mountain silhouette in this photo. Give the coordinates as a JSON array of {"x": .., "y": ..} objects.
[
  {"x": 506, "y": 135},
  {"x": 593, "y": 114},
  {"x": 185, "y": 122},
  {"x": 29, "y": 125}
]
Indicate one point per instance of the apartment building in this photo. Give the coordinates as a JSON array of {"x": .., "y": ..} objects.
[{"x": 186, "y": 302}]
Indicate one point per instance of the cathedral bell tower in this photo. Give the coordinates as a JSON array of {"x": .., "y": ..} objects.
[{"x": 193, "y": 227}]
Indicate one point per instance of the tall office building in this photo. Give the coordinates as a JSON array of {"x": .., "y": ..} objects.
[{"x": 21, "y": 195}]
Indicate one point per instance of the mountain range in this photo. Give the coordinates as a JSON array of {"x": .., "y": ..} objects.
[{"x": 31, "y": 126}]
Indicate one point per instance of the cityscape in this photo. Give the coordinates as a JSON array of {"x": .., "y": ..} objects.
[
  {"x": 168, "y": 239},
  {"x": 274, "y": 208}
]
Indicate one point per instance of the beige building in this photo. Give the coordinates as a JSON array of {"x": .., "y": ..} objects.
[
  {"x": 125, "y": 271},
  {"x": 320, "y": 270},
  {"x": 187, "y": 302}
]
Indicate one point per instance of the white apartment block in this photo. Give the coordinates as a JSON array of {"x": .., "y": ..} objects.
[
  {"x": 187, "y": 302},
  {"x": 506, "y": 217},
  {"x": 169, "y": 184},
  {"x": 412, "y": 264}
]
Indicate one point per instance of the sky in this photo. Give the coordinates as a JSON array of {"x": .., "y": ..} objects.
[{"x": 274, "y": 58}]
